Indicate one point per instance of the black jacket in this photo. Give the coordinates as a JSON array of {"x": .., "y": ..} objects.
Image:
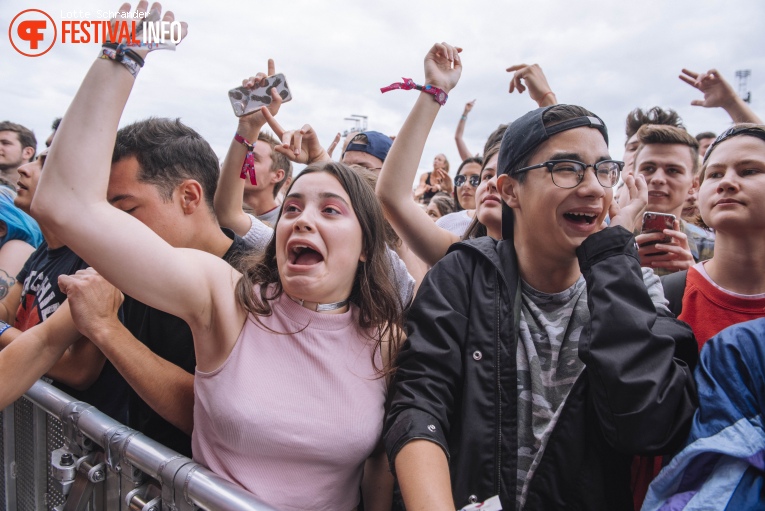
[{"x": 456, "y": 379}]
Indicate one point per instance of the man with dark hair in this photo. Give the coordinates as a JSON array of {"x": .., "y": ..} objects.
[
  {"x": 705, "y": 139},
  {"x": 165, "y": 175},
  {"x": 639, "y": 117},
  {"x": 517, "y": 379},
  {"x": 668, "y": 159},
  {"x": 18, "y": 146}
]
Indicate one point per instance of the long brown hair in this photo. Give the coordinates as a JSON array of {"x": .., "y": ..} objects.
[{"x": 374, "y": 293}]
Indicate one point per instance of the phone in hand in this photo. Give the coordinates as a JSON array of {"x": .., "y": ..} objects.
[
  {"x": 657, "y": 222},
  {"x": 245, "y": 100}
]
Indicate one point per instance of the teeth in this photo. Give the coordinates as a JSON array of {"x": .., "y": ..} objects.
[{"x": 588, "y": 215}]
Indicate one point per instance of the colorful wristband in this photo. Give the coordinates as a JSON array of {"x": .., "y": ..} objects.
[
  {"x": 248, "y": 167},
  {"x": 408, "y": 84},
  {"x": 3, "y": 327},
  {"x": 125, "y": 56}
]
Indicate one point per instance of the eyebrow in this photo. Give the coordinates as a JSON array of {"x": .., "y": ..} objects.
[
  {"x": 118, "y": 198},
  {"x": 575, "y": 156},
  {"x": 322, "y": 195}
]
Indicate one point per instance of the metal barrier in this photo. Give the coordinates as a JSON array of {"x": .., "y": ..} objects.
[{"x": 59, "y": 454}]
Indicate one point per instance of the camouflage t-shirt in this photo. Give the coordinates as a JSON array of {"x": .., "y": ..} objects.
[{"x": 548, "y": 365}]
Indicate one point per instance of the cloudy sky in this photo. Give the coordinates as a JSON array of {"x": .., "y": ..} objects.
[{"x": 607, "y": 56}]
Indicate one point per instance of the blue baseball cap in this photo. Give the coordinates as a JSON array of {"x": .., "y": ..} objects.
[{"x": 371, "y": 142}]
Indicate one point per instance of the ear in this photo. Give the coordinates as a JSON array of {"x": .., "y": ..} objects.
[
  {"x": 508, "y": 189},
  {"x": 191, "y": 194},
  {"x": 277, "y": 176},
  {"x": 28, "y": 152}
]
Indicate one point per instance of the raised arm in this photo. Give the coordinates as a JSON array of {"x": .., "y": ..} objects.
[
  {"x": 535, "y": 81},
  {"x": 71, "y": 201},
  {"x": 461, "y": 145},
  {"x": 228, "y": 196},
  {"x": 719, "y": 93},
  {"x": 430, "y": 242}
]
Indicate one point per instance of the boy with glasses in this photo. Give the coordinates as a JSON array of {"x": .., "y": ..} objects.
[{"x": 536, "y": 366}]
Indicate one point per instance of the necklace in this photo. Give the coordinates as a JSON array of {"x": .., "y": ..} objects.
[{"x": 323, "y": 307}]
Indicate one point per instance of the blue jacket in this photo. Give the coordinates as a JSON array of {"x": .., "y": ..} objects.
[{"x": 722, "y": 466}]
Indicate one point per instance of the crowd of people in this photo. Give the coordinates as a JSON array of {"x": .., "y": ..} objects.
[{"x": 347, "y": 337}]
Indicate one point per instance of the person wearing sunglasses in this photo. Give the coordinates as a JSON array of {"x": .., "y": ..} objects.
[
  {"x": 466, "y": 182},
  {"x": 536, "y": 366}
]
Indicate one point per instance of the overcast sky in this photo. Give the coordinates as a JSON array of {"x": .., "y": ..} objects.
[{"x": 607, "y": 56}]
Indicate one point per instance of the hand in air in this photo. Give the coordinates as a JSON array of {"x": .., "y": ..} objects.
[
  {"x": 300, "y": 146},
  {"x": 468, "y": 107},
  {"x": 535, "y": 81},
  {"x": 153, "y": 15},
  {"x": 717, "y": 92},
  {"x": 443, "y": 66},
  {"x": 629, "y": 212},
  {"x": 256, "y": 119}
]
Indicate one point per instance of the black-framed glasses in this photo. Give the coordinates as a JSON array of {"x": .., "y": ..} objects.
[
  {"x": 569, "y": 173},
  {"x": 474, "y": 180}
]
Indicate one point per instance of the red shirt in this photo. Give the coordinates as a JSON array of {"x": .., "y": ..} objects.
[{"x": 708, "y": 309}]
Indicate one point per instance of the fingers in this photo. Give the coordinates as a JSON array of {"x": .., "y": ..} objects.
[
  {"x": 271, "y": 67},
  {"x": 689, "y": 81},
  {"x": 275, "y": 126},
  {"x": 697, "y": 102},
  {"x": 515, "y": 67},
  {"x": 689, "y": 73},
  {"x": 334, "y": 143},
  {"x": 297, "y": 141}
]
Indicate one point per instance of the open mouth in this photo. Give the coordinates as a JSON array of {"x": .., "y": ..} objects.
[
  {"x": 302, "y": 255},
  {"x": 580, "y": 218}
]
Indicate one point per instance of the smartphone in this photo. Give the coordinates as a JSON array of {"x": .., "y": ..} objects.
[
  {"x": 245, "y": 101},
  {"x": 657, "y": 222}
]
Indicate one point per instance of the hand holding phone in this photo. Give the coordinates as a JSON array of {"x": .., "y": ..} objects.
[
  {"x": 673, "y": 252},
  {"x": 245, "y": 100}
]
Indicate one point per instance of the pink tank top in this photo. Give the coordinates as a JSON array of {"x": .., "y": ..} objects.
[{"x": 292, "y": 418}]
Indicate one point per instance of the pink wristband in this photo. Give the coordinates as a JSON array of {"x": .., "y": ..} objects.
[{"x": 248, "y": 167}]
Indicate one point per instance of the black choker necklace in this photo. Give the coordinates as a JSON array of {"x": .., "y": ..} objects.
[{"x": 323, "y": 307}]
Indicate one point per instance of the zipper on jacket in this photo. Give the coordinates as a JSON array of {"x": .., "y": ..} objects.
[{"x": 499, "y": 388}]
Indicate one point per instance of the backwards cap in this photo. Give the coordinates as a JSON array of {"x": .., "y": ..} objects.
[{"x": 377, "y": 144}]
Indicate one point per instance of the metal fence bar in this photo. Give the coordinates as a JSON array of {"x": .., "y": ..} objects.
[
  {"x": 8, "y": 446},
  {"x": 192, "y": 485}
]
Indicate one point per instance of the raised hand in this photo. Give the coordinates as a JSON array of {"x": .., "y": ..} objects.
[
  {"x": 150, "y": 16},
  {"x": 256, "y": 119},
  {"x": 443, "y": 66},
  {"x": 300, "y": 146},
  {"x": 535, "y": 81},
  {"x": 717, "y": 92},
  {"x": 468, "y": 107}
]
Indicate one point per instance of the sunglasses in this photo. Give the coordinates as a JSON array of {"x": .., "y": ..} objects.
[{"x": 474, "y": 180}]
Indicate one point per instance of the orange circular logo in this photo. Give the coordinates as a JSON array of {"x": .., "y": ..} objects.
[{"x": 30, "y": 32}]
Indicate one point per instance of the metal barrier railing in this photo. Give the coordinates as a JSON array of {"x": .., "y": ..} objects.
[{"x": 59, "y": 454}]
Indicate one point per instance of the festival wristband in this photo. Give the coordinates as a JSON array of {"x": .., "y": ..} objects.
[
  {"x": 119, "y": 53},
  {"x": 408, "y": 84},
  {"x": 3, "y": 327},
  {"x": 248, "y": 167}
]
